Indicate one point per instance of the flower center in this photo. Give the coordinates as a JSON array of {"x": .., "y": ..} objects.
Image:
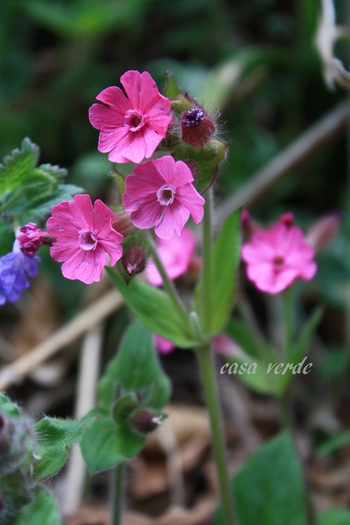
[
  {"x": 166, "y": 195},
  {"x": 87, "y": 239},
  {"x": 278, "y": 260},
  {"x": 193, "y": 117},
  {"x": 134, "y": 119}
]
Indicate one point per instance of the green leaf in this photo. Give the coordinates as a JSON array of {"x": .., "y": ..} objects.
[
  {"x": 255, "y": 377},
  {"x": 55, "y": 437},
  {"x": 172, "y": 88},
  {"x": 17, "y": 165},
  {"x": 7, "y": 236},
  {"x": 42, "y": 509},
  {"x": 124, "y": 407},
  {"x": 226, "y": 256},
  {"x": 334, "y": 443},
  {"x": 136, "y": 368},
  {"x": 107, "y": 443},
  {"x": 299, "y": 349},
  {"x": 7, "y": 408},
  {"x": 44, "y": 204},
  {"x": 155, "y": 309},
  {"x": 335, "y": 517},
  {"x": 27, "y": 192},
  {"x": 269, "y": 489}
]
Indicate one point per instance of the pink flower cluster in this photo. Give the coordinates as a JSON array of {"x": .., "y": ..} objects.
[
  {"x": 278, "y": 256},
  {"x": 158, "y": 194}
]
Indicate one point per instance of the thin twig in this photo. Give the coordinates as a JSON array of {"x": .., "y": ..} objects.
[
  {"x": 86, "y": 320},
  {"x": 85, "y": 401},
  {"x": 294, "y": 156}
]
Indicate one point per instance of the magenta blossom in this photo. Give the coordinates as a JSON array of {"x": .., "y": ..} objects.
[
  {"x": 278, "y": 256},
  {"x": 131, "y": 128},
  {"x": 84, "y": 238},
  {"x": 160, "y": 193},
  {"x": 175, "y": 254}
]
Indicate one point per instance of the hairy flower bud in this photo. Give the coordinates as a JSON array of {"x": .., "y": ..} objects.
[
  {"x": 31, "y": 237},
  {"x": 134, "y": 259},
  {"x": 196, "y": 127},
  {"x": 145, "y": 421},
  {"x": 122, "y": 223},
  {"x": 287, "y": 218},
  {"x": 323, "y": 230}
]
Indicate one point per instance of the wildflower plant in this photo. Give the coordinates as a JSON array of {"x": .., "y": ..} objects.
[{"x": 150, "y": 232}]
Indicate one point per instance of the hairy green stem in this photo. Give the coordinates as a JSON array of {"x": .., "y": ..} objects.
[
  {"x": 207, "y": 264},
  {"x": 117, "y": 494},
  {"x": 207, "y": 368},
  {"x": 168, "y": 284},
  {"x": 288, "y": 320}
]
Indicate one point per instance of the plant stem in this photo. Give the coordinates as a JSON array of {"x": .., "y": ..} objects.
[
  {"x": 168, "y": 285},
  {"x": 207, "y": 369},
  {"x": 207, "y": 264},
  {"x": 117, "y": 494},
  {"x": 288, "y": 320}
]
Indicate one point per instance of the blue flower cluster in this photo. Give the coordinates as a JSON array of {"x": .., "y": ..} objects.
[{"x": 14, "y": 268}]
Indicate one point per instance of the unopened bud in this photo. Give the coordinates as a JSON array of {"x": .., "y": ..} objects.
[
  {"x": 196, "y": 127},
  {"x": 2, "y": 507},
  {"x": 122, "y": 223},
  {"x": 248, "y": 225},
  {"x": 145, "y": 421},
  {"x": 31, "y": 237},
  {"x": 287, "y": 218},
  {"x": 194, "y": 168},
  {"x": 323, "y": 230},
  {"x": 134, "y": 259}
]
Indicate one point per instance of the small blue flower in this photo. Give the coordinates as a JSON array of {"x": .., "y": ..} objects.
[{"x": 14, "y": 268}]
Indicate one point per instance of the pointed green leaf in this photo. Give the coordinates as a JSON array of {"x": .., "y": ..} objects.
[
  {"x": 55, "y": 437},
  {"x": 335, "y": 517},
  {"x": 242, "y": 366},
  {"x": 269, "y": 489},
  {"x": 107, "y": 443},
  {"x": 136, "y": 368},
  {"x": 42, "y": 509},
  {"x": 300, "y": 347},
  {"x": 17, "y": 165},
  {"x": 226, "y": 256},
  {"x": 7, "y": 408},
  {"x": 172, "y": 88},
  {"x": 333, "y": 443},
  {"x": 155, "y": 309}
]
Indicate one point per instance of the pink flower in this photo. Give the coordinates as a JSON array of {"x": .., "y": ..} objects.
[
  {"x": 164, "y": 346},
  {"x": 278, "y": 256},
  {"x": 175, "y": 254},
  {"x": 222, "y": 345},
  {"x": 160, "y": 193},
  {"x": 84, "y": 238},
  {"x": 131, "y": 128}
]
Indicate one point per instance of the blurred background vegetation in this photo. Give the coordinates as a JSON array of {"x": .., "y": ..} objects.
[{"x": 253, "y": 64}]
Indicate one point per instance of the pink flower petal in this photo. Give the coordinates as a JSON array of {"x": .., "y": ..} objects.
[
  {"x": 112, "y": 140},
  {"x": 172, "y": 219},
  {"x": 114, "y": 98},
  {"x": 175, "y": 255},
  {"x": 146, "y": 215},
  {"x": 104, "y": 117},
  {"x": 131, "y": 81},
  {"x": 189, "y": 197},
  {"x": 158, "y": 120}
]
